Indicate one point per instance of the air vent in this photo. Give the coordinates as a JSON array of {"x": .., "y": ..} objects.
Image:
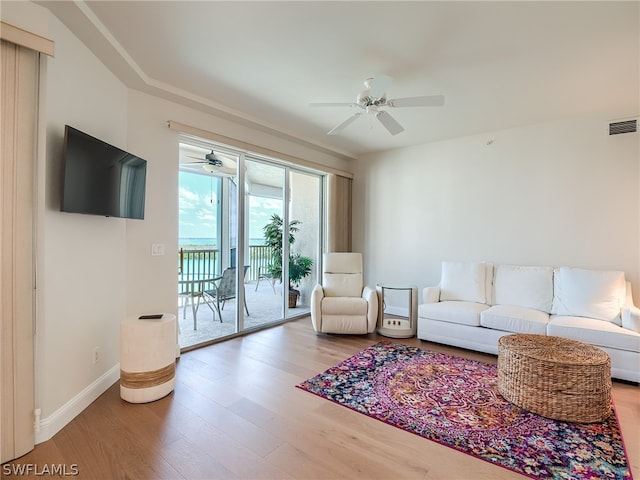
[{"x": 624, "y": 126}]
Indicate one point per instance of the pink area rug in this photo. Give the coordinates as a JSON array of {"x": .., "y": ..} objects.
[{"x": 455, "y": 402}]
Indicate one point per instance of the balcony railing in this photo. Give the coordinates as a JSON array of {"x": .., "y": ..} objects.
[
  {"x": 205, "y": 262},
  {"x": 202, "y": 263},
  {"x": 259, "y": 259}
]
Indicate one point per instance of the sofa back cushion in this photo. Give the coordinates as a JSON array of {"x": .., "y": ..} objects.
[
  {"x": 523, "y": 286},
  {"x": 465, "y": 281},
  {"x": 588, "y": 293}
]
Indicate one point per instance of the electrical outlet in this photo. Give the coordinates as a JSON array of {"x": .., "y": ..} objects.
[{"x": 96, "y": 355}]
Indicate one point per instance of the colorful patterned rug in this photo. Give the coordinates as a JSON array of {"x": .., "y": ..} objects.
[{"x": 455, "y": 402}]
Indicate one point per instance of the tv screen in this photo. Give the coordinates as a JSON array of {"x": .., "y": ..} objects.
[{"x": 100, "y": 179}]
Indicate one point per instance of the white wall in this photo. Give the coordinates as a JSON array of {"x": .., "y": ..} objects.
[
  {"x": 81, "y": 272},
  {"x": 152, "y": 280},
  {"x": 562, "y": 193},
  {"x": 95, "y": 271}
]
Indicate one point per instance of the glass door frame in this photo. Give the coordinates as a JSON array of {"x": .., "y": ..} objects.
[
  {"x": 286, "y": 218},
  {"x": 224, "y": 224}
]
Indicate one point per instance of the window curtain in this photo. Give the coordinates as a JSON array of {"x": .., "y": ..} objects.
[
  {"x": 338, "y": 213},
  {"x": 18, "y": 106}
]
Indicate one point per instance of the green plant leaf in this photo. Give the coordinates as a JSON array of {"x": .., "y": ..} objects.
[{"x": 299, "y": 266}]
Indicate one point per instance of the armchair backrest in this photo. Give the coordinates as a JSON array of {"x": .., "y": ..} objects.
[{"x": 342, "y": 274}]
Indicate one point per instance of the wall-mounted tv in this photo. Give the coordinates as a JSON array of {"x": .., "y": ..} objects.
[{"x": 100, "y": 179}]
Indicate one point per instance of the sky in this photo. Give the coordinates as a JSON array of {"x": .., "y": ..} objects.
[{"x": 197, "y": 207}]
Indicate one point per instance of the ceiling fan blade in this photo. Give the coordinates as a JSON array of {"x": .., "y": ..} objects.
[
  {"x": 344, "y": 124},
  {"x": 378, "y": 85},
  {"x": 389, "y": 123},
  {"x": 427, "y": 101},
  {"x": 333, "y": 104}
]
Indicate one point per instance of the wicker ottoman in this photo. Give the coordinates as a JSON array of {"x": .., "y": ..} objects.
[{"x": 555, "y": 377}]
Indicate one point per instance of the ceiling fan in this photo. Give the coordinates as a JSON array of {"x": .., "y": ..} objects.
[
  {"x": 373, "y": 98},
  {"x": 215, "y": 164}
]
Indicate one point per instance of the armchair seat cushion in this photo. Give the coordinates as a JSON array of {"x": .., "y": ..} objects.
[
  {"x": 344, "y": 306},
  {"x": 464, "y": 313}
]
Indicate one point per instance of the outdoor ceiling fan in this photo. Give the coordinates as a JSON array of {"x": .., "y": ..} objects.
[
  {"x": 374, "y": 98},
  {"x": 215, "y": 164}
]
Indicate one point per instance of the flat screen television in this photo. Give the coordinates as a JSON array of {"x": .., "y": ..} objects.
[{"x": 100, "y": 179}]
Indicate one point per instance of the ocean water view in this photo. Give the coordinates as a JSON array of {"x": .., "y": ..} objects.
[{"x": 200, "y": 256}]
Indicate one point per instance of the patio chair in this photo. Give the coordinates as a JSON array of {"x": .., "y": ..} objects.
[
  {"x": 263, "y": 274},
  {"x": 224, "y": 288}
]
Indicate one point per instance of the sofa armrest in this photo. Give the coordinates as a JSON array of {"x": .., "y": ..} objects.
[
  {"x": 317, "y": 294},
  {"x": 631, "y": 318},
  {"x": 431, "y": 295},
  {"x": 371, "y": 296}
]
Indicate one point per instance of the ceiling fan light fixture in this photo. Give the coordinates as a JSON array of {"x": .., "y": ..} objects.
[{"x": 364, "y": 98}]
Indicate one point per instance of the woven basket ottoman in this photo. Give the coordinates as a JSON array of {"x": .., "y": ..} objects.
[{"x": 555, "y": 377}]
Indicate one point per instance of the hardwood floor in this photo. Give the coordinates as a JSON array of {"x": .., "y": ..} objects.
[{"x": 236, "y": 413}]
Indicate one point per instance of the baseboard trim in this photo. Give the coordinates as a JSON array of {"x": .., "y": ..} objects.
[{"x": 55, "y": 422}]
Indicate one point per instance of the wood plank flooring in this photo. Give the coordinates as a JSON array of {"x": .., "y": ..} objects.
[{"x": 236, "y": 414}]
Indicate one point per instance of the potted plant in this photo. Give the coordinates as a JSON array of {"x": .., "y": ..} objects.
[{"x": 299, "y": 266}]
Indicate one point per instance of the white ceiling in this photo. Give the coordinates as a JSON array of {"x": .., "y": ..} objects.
[{"x": 499, "y": 64}]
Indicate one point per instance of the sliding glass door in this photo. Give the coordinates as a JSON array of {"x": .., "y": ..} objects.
[
  {"x": 264, "y": 207},
  {"x": 253, "y": 249}
]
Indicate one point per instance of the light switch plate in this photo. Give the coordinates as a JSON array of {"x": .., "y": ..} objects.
[{"x": 157, "y": 249}]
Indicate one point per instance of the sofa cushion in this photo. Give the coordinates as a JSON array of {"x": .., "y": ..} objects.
[
  {"x": 515, "y": 319},
  {"x": 594, "y": 332},
  {"x": 463, "y": 281},
  {"x": 530, "y": 287},
  {"x": 588, "y": 293},
  {"x": 464, "y": 313}
]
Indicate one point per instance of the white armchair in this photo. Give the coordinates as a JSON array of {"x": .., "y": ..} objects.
[{"x": 343, "y": 304}]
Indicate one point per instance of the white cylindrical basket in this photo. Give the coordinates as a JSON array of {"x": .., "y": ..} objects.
[{"x": 147, "y": 358}]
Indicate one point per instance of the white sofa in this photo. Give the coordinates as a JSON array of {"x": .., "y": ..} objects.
[{"x": 477, "y": 303}]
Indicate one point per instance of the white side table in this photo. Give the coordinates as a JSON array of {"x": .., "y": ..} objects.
[
  {"x": 398, "y": 327},
  {"x": 147, "y": 358}
]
